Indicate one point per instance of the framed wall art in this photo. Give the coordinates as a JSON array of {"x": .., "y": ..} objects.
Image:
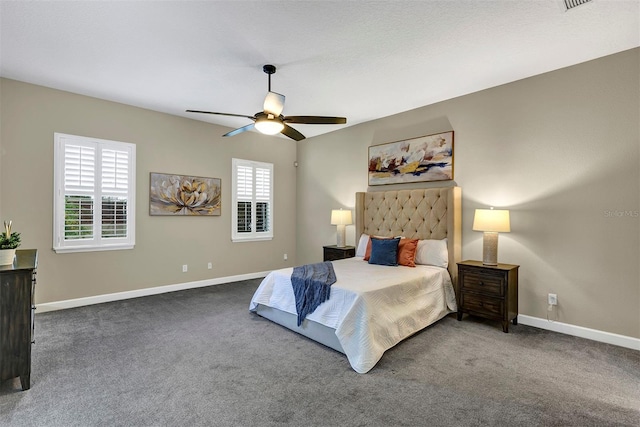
[
  {"x": 422, "y": 159},
  {"x": 179, "y": 195}
]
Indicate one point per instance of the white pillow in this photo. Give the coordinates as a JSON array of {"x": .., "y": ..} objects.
[
  {"x": 362, "y": 245},
  {"x": 433, "y": 252}
]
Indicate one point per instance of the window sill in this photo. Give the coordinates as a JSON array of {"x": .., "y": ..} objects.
[
  {"x": 250, "y": 239},
  {"x": 75, "y": 249}
]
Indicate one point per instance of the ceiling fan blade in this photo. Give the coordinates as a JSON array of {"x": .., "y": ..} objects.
[
  {"x": 292, "y": 133},
  {"x": 274, "y": 103},
  {"x": 316, "y": 120},
  {"x": 221, "y": 114},
  {"x": 240, "y": 130}
]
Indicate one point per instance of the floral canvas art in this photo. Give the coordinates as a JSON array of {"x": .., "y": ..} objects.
[
  {"x": 427, "y": 158},
  {"x": 184, "y": 195}
]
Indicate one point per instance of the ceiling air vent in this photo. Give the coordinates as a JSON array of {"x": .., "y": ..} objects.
[{"x": 570, "y": 4}]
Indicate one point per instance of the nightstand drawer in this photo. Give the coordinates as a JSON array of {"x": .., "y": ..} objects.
[
  {"x": 484, "y": 306},
  {"x": 488, "y": 284}
]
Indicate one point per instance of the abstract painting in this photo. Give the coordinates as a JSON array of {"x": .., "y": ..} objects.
[
  {"x": 184, "y": 195},
  {"x": 426, "y": 158}
]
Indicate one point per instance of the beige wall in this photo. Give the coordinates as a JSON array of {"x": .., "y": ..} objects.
[
  {"x": 560, "y": 150},
  {"x": 30, "y": 116}
]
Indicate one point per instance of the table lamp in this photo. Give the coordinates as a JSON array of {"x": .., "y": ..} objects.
[
  {"x": 491, "y": 221},
  {"x": 341, "y": 218}
]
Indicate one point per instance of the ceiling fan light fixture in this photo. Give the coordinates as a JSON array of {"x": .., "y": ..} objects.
[{"x": 269, "y": 126}]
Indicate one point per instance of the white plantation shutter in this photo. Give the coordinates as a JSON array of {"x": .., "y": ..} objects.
[
  {"x": 115, "y": 191},
  {"x": 79, "y": 169},
  {"x": 263, "y": 184},
  {"x": 79, "y": 188},
  {"x": 244, "y": 194},
  {"x": 263, "y": 198},
  {"x": 94, "y": 199},
  {"x": 252, "y": 213},
  {"x": 115, "y": 172},
  {"x": 244, "y": 182}
]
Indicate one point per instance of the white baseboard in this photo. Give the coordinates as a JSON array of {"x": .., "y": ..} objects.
[
  {"x": 98, "y": 299},
  {"x": 579, "y": 331}
]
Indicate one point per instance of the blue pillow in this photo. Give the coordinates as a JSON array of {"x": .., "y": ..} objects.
[{"x": 384, "y": 251}]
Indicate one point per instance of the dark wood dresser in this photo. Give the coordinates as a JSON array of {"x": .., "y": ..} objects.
[
  {"x": 488, "y": 291},
  {"x": 334, "y": 253},
  {"x": 17, "y": 288}
]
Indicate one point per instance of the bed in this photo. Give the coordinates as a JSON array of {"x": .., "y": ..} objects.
[{"x": 363, "y": 317}]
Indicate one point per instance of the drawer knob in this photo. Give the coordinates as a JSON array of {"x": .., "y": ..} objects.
[{"x": 481, "y": 283}]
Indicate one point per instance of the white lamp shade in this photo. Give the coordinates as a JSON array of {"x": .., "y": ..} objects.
[
  {"x": 493, "y": 220},
  {"x": 341, "y": 217},
  {"x": 274, "y": 103}
]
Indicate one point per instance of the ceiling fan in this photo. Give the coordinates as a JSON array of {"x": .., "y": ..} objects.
[{"x": 271, "y": 121}]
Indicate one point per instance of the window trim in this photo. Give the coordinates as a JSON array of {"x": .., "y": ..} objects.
[
  {"x": 252, "y": 236},
  {"x": 97, "y": 243}
]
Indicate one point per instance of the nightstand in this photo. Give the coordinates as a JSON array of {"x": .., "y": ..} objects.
[
  {"x": 334, "y": 253},
  {"x": 488, "y": 291}
]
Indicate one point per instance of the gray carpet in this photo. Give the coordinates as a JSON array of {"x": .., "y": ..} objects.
[{"x": 199, "y": 357}]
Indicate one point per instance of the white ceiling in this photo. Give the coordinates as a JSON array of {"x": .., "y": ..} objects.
[{"x": 359, "y": 59}]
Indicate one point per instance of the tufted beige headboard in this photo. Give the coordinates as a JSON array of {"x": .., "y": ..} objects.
[{"x": 427, "y": 213}]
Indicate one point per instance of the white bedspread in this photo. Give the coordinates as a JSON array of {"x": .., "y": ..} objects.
[{"x": 372, "y": 307}]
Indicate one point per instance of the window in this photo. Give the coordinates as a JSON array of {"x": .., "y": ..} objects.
[
  {"x": 252, "y": 205},
  {"x": 94, "y": 200}
]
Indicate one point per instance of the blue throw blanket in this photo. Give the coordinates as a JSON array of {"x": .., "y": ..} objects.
[{"x": 311, "y": 286}]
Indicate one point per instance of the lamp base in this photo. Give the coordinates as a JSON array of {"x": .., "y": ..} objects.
[
  {"x": 342, "y": 238},
  {"x": 490, "y": 248}
]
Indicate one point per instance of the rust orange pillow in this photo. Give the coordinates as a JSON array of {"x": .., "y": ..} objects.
[{"x": 407, "y": 252}]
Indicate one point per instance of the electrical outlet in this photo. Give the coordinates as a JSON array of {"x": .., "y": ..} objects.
[
  {"x": 185, "y": 268},
  {"x": 553, "y": 299},
  {"x": 286, "y": 257},
  {"x": 210, "y": 265}
]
